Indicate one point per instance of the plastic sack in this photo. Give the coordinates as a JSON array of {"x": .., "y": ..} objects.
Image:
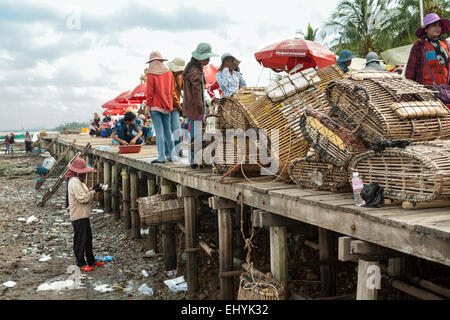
[{"x": 373, "y": 195}]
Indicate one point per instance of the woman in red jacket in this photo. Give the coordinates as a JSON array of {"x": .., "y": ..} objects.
[
  {"x": 428, "y": 62},
  {"x": 160, "y": 102}
]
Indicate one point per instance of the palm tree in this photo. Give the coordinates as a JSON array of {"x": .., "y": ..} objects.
[
  {"x": 401, "y": 28},
  {"x": 310, "y": 34},
  {"x": 356, "y": 25}
]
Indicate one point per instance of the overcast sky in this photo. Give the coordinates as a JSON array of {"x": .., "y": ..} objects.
[{"x": 61, "y": 60}]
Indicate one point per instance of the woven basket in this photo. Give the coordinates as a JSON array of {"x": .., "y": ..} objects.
[
  {"x": 283, "y": 115},
  {"x": 160, "y": 209},
  {"x": 420, "y": 172},
  {"x": 332, "y": 141},
  {"x": 316, "y": 174},
  {"x": 259, "y": 287},
  {"x": 384, "y": 105},
  {"x": 231, "y": 110},
  {"x": 224, "y": 156}
]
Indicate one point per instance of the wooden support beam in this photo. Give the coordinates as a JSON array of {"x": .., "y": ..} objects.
[
  {"x": 135, "y": 223},
  {"x": 107, "y": 181},
  {"x": 369, "y": 280},
  {"x": 225, "y": 250},
  {"x": 263, "y": 218},
  {"x": 431, "y": 286},
  {"x": 153, "y": 230},
  {"x": 190, "y": 242},
  {"x": 202, "y": 244},
  {"x": 115, "y": 190},
  {"x": 168, "y": 232},
  {"x": 350, "y": 249},
  {"x": 126, "y": 198},
  {"x": 327, "y": 243},
  {"x": 413, "y": 291},
  {"x": 183, "y": 191},
  {"x": 278, "y": 253},
  {"x": 217, "y": 203}
]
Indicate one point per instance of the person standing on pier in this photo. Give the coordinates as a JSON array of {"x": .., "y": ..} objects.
[
  {"x": 80, "y": 198},
  {"x": 128, "y": 130},
  {"x": 194, "y": 105},
  {"x": 177, "y": 68},
  {"x": 160, "y": 102}
]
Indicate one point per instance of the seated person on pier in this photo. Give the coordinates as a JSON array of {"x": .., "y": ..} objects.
[
  {"x": 48, "y": 163},
  {"x": 128, "y": 130}
]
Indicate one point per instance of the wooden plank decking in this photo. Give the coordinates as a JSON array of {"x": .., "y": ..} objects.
[{"x": 423, "y": 233}]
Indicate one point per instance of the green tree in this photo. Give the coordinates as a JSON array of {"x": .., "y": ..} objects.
[
  {"x": 310, "y": 33},
  {"x": 357, "y": 25},
  {"x": 405, "y": 19}
]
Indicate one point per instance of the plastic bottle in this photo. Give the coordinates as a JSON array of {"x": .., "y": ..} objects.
[{"x": 357, "y": 185}]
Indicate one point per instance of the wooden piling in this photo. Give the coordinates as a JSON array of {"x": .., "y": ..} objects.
[
  {"x": 224, "y": 208},
  {"x": 153, "y": 230},
  {"x": 107, "y": 181},
  {"x": 191, "y": 244},
  {"x": 369, "y": 278},
  {"x": 115, "y": 190},
  {"x": 168, "y": 233},
  {"x": 135, "y": 224},
  {"x": 327, "y": 252},
  {"x": 126, "y": 198},
  {"x": 278, "y": 253}
]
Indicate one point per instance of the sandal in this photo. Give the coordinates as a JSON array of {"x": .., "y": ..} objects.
[
  {"x": 99, "y": 264},
  {"x": 87, "y": 268}
]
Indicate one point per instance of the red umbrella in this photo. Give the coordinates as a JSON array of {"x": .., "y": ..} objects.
[
  {"x": 123, "y": 97},
  {"x": 292, "y": 52},
  {"x": 209, "y": 73},
  {"x": 139, "y": 93},
  {"x": 113, "y": 112},
  {"x": 113, "y": 104}
]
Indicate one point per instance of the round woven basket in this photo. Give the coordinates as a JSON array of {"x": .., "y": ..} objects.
[
  {"x": 334, "y": 143},
  {"x": 381, "y": 105},
  {"x": 420, "y": 172},
  {"x": 316, "y": 174},
  {"x": 259, "y": 287}
]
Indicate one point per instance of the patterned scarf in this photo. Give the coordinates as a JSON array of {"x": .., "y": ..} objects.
[{"x": 442, "y": 56}]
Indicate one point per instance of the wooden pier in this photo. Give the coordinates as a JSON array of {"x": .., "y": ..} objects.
[{"x": 345, "y": 231}]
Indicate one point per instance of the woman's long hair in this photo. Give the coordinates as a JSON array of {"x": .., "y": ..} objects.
[{"x": 193, "y": 63}]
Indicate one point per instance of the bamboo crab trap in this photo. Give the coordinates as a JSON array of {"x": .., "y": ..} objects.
[
  {"x": 229, "y": 155},
  {"x": 259, "y": 287},
  {"x": 231, "y": 110},
  {"x": 386, "y": 105},
  {"x": 332, "y": 141},
  {"x": 418, "y": 173},
  {"x": 160, "y": 209},
  {"x": 281, "y": 108},
  {"x": 319, "y": 175}
]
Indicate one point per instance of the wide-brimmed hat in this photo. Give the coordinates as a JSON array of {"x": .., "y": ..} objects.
[
  {"x": 203, "y": 51},
  {"x": 177, "y": 64},
  {"x": 79, "y": 166},
  {"x": 372, "y": 57},
  {"x": 46, "y": 154},
  {"x": 432, "y": 18},
  {"x": 230, "y": 55},
  {"x": 155, "y": 55},
  {"x": 345, "y": 55}
]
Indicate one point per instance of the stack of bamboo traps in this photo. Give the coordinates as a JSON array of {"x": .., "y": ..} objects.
[
  {"x": 417, "y": 173},
  {"x": 386, "y": 105},
  {"x": 367, "y": 110},
  {"x": 277, "y": 113}
]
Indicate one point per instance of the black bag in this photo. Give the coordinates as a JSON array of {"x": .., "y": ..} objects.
[{"x": 373, "y": 195}]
